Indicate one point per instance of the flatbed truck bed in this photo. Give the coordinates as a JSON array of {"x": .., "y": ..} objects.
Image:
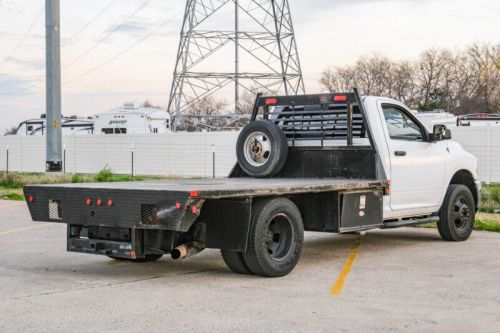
[{"x": 224, "y": 188}]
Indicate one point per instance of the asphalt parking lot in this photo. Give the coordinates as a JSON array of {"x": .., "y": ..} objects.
[{"x": 399, "y": 280}]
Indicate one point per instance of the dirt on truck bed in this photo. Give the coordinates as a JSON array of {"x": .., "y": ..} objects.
[{"x": 229, "y": 187}]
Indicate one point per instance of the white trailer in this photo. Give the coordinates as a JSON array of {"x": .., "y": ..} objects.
[
  {"x": 70, "y": 125},
  {"x": 132, "y": 119}
]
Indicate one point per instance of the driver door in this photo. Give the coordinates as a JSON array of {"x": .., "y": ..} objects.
[{"x": 417, "y": 166}]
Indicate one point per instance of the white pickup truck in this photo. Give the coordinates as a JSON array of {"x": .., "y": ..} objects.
[{"x": 334, "y": 163}]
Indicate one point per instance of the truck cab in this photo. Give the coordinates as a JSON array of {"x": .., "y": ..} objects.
[{"x": 419, "y": 164}]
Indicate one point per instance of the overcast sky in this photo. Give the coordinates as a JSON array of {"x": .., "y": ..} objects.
[{"x": 136, "y": 61}]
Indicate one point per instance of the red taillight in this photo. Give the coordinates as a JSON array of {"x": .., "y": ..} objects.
[
  {"x": 110, "y": 202},
  {"x": 99, "y": 202},
  {"x": 88, "y": 201},
  {"x": 178, "y": 205},
  {"x": 340, "y": 98},
  {"x": 30, "y": 198},
  {"x": 271, "y": 101},
  {"x": 193, "y": 194}
]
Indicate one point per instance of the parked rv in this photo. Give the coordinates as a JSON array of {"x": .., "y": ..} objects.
[
  {"x": 133, "y": 119},
  {"x": 70, "y": 125}
]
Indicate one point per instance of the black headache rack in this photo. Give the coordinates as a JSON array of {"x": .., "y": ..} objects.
[
  {"x": 322, "y": 117},
  {"x": 329, "y": 136}
]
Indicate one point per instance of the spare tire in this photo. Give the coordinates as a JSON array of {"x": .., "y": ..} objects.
[{"x": 262, "y": 149}]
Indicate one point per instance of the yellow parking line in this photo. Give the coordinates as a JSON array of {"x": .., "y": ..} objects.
[
  {"x": 338, "y": 286},
  {"x": 114, "y": 262},
  {"x": 8, "y": 232}
]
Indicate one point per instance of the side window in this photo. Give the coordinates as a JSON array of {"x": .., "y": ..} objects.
[{"x": 400, "y": 126}]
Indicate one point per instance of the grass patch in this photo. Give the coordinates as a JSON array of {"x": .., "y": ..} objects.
[
  {"x": 490, "y": 198},
  {"x": 107, "y": 176},
  {"x": 487, "y": 225},
  {"x": 11, "y": 184},
  {"x": 12, "y": 196},
  {"x": 484, "y": 222}
]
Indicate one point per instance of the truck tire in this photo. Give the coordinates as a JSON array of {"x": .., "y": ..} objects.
[
  {"x": 148, "y": 258},
  {"x": 457, "y": 215},
  {"x": 276, "y": 238},
  {"x": 235, "y": 262},
  {"x": 262, "y": 149}
]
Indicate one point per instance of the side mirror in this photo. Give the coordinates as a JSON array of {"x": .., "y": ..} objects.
[{"x": 439, "y": 133}]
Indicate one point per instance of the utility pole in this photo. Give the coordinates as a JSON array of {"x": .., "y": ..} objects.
[
  {"x": 237, "y": 58},
  {"x": 53, "y": 83}
]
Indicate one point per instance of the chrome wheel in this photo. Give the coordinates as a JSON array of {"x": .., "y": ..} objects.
[{"x": 257, "y": 149}]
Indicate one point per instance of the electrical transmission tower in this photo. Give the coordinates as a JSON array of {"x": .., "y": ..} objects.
[{"x": 232, "y": 47}]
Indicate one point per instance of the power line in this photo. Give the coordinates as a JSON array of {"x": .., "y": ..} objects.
[
  {"x": 75, "y": 35},
  {"x": 124, "y": 51},
  {"x": 92, "y": 20},
  {"x": 114, "y": 57},
  {"x": 109, "y": 34},
  {"x": 25, "y": 35}
]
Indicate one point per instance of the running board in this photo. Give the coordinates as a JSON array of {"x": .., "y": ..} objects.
[{"x": 408, "y": 223}]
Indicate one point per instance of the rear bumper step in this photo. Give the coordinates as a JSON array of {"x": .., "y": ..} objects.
[{"x": 103, "y": 247}]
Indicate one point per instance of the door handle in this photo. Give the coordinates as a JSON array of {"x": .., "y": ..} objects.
[{"x": 400, "y": 153}]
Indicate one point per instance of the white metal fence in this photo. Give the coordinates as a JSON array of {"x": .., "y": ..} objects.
[
  {"x": 189, "y": 154},
  {"x": 182, "y": 154},
  {"x": 484, "y": 143}
]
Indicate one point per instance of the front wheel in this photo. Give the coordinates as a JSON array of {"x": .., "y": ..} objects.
[
  {"x": 276, "y": 238},
  {"x": 457, "y": 215}
]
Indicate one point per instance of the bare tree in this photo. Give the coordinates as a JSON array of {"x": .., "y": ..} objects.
[
  {"x": 404, "y": 87},
  {"x": 247, "y": 99},
  {"x": 466, "y": 81},
  {"x": 339, "y": 79},
  {"x": 148, "y": 104},
  {"x": 205, "y": 114},
  {"x": 486, "y": 59}
]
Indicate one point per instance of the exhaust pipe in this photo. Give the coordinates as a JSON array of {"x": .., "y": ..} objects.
[{"x": 185, "y": 251}]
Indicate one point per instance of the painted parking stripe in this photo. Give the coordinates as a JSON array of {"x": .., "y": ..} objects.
[
  {"x": 13, "y": 231},
  {"x": 338, "y": 286}
]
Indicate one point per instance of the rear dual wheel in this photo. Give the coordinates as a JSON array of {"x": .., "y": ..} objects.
[{"x": 275, "y": 241}]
